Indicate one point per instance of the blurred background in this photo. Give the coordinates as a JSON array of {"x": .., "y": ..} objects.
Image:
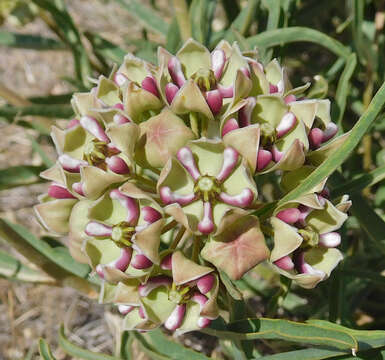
[{"x": 40, "y": 68}]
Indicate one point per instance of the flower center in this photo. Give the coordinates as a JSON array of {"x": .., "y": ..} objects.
[
  {"x": 207, "y": 187},
  {"x": 205, "y": 79},
  {"x": 122, "y": 234},
  {"x": 178, "y": 294},
  {"x": 268, "y": 135},
  {"x": 95, "y": 152},
  {"x": 310, "y": 236}
]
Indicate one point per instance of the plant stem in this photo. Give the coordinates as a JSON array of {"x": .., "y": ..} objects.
[
  {"x": 194, "y": 123},
  {"x": 169, "y": 226},
  {"x": 182, "y": 16},
  {"x": 196, "y": 248},
  {"x": 178, "y": 237},
  {"x": 145, "y": 181}
]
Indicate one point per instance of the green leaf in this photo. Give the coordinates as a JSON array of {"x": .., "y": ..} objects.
[
  {"x": 45, "y": 351},
  {"x": 298, "y": 34},
  {"x": 246, "y": 17},
  {"x": 13, "y": 269},
  {"x": 33, "y": 42},
  {"x": 37, "y": 148},
  {"x": 20, "y": 176},
  {"x": 337, "y": 158},
  {"x": 230, "y": 287},
  {"x": 174, "y": 41},
  {"x": 55, "y": 261},
  {"x": 62, "y": 99},
  {"x": 126, "y": 345},
  {"x": 78, "y": 352},
  {"x": 49, "y": 111},
  {"x": 361, "y": 182},
  {"x": 105, "y": 48},
  {"x": 147, "y": 348},
  {"x": 365, "y": 274},
  {"x": 172, "y": 349},
  {"x": 303, "y": 333},
  {"x": 231, "y": 8},
  {"x": 67, "y": 30},
  {"x": 148, "y": 17},
  {"x": 343, "y": 89},
  {"x": 200, "y": 13}
]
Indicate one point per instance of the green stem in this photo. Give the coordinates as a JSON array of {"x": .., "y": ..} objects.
[
  {"x": 145, "y": 181},
  {"x": 169, "y": 226},
  {"x": 279, "y": 297},
  {"x": 178, "y": 237},
  {"x": 196, "y": 248}
]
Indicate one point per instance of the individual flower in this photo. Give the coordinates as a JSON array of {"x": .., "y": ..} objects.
[
  {"x": 203, "y": 182},
  {"x": 182, "y": 297},
  {"x": 305, "y": 238},
  {"x": 204, "y": 83},
  {"x": 120, "y": 232}
]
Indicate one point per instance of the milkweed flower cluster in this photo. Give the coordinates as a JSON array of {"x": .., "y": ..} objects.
[{"x": 156, "y": 182}]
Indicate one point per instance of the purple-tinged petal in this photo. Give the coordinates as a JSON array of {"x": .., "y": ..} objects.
[
  {"x": 119, "y": 119},
  {"x": 280, "y": 86},
  {"x": 70, "y": 164},
  {"x": 119, "y": 106},
  {"x": 200, "y": 299},
  {"x": 153, "y": 283},
  {"x": 142, "y": 313},
  {"x": 150, "y": 215},
  {"x": 230, "y": 159},
  {"x": 285, "y": 263},
  {"x": 129, "y": 203},
  {"x": 218, "y": 61},
  {"x": 149, "y": 84},
  {"x": 304, "y": 212},
  {"x": 176, "y": 72},
  {"x": 230, "y": 125},
  {"x": 277, "y": 155},
  {"x": 330, "y": 130},
  {"x": 227, "y": 92},
  {"x": 289, "y": 216},
  {"x": 330, "y": 240},
  {"x": 244, "y": 114},
  {"x": 99, "y": 271},
  {"x": 203, "y": 322},
  {"x": 303, "y": 267},
  {"x": 141, "y": 262},
  {"x": 206, "y": 225},
  {"x": 243, "y": 199},
  {"x": 166, "y": 263},
  {"x": 123, "y": 261},
  {"x": 245, "y": 71},
  {"x": 93, "y": 127},
  {"x": 205, "y": 283},
  {"x": 325, "y": 192},
  {"x": 57, "y": 191},
  {"x": 125, "y": 309},
  {"x": 286, "y": 124},
  {"x": 214, "y": 100},
  {"x": 97, "y": 229},
  {"x": 186, "y": 157},
  {"x": 263, "y": 158},
  {"x": 171, "y": 90},
  {"x": 73, "y": 123},
  {"x": 169, "y": 197},
  {"x": 78, "y": 188},
  {"x": 113, "y": 150},
  {"x": 273, "y": 88},
  {"x": 289, "y": 99},
  {"x": 120, "y": 79},
  {"x": 315, "y": 138},
  {"x": 117, "y": 165},
  {"x": 174, "y": 321},
  {"x": 321, "y": 200}
]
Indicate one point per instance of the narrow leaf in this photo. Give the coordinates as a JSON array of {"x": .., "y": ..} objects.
[
  {"x": 105, "y": 48},
  {"x": 32, "y": 42},
  {"x": 50, "y": 111},
  {"x": 20, "y": 176},
  {"x": 78, "y": 352},
  {"x": 298, "y": 34},
  {"x": 147, "y": 348},
  {"x": 45, "y": 351},
  {"x": 148, "y": 17}
]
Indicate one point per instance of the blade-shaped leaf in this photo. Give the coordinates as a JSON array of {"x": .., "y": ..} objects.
[
  {"x": 105, "y": 48},
  {"x": 49, "y": 111},
  {"x": 45, "y": 351},
  {"x": 20, "y": 176},
  {"x": 298, "y": 34},
  {"x": 78, "y": 352},
  {"x": 34, "y": 42},
  {"x": 148, "y": 17}
]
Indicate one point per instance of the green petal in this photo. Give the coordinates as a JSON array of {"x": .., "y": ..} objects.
[
  {"x": 107, "y": 91},
  {"x": 269, "y": 109},
  {"x": 292, "y": 179},
  {"x": 305, "y": 111},
  {"x": 208, "y": 155},
  {"x": 134, "y": 68},
  {"x": 327, "y": 219},
  {"x": 107, "y": 210},
  {"x": 286, "y": 239},
  {"x": 239, "y": 248},
  {"x": 54, "y": 215},
  {"x": 194, "y": 56},
  {"x": 323, "y": 259},
  {"x": 235, "y": 62},
  {"x": 157, "y": 305},
  {"x": 164, "y": 135}
]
